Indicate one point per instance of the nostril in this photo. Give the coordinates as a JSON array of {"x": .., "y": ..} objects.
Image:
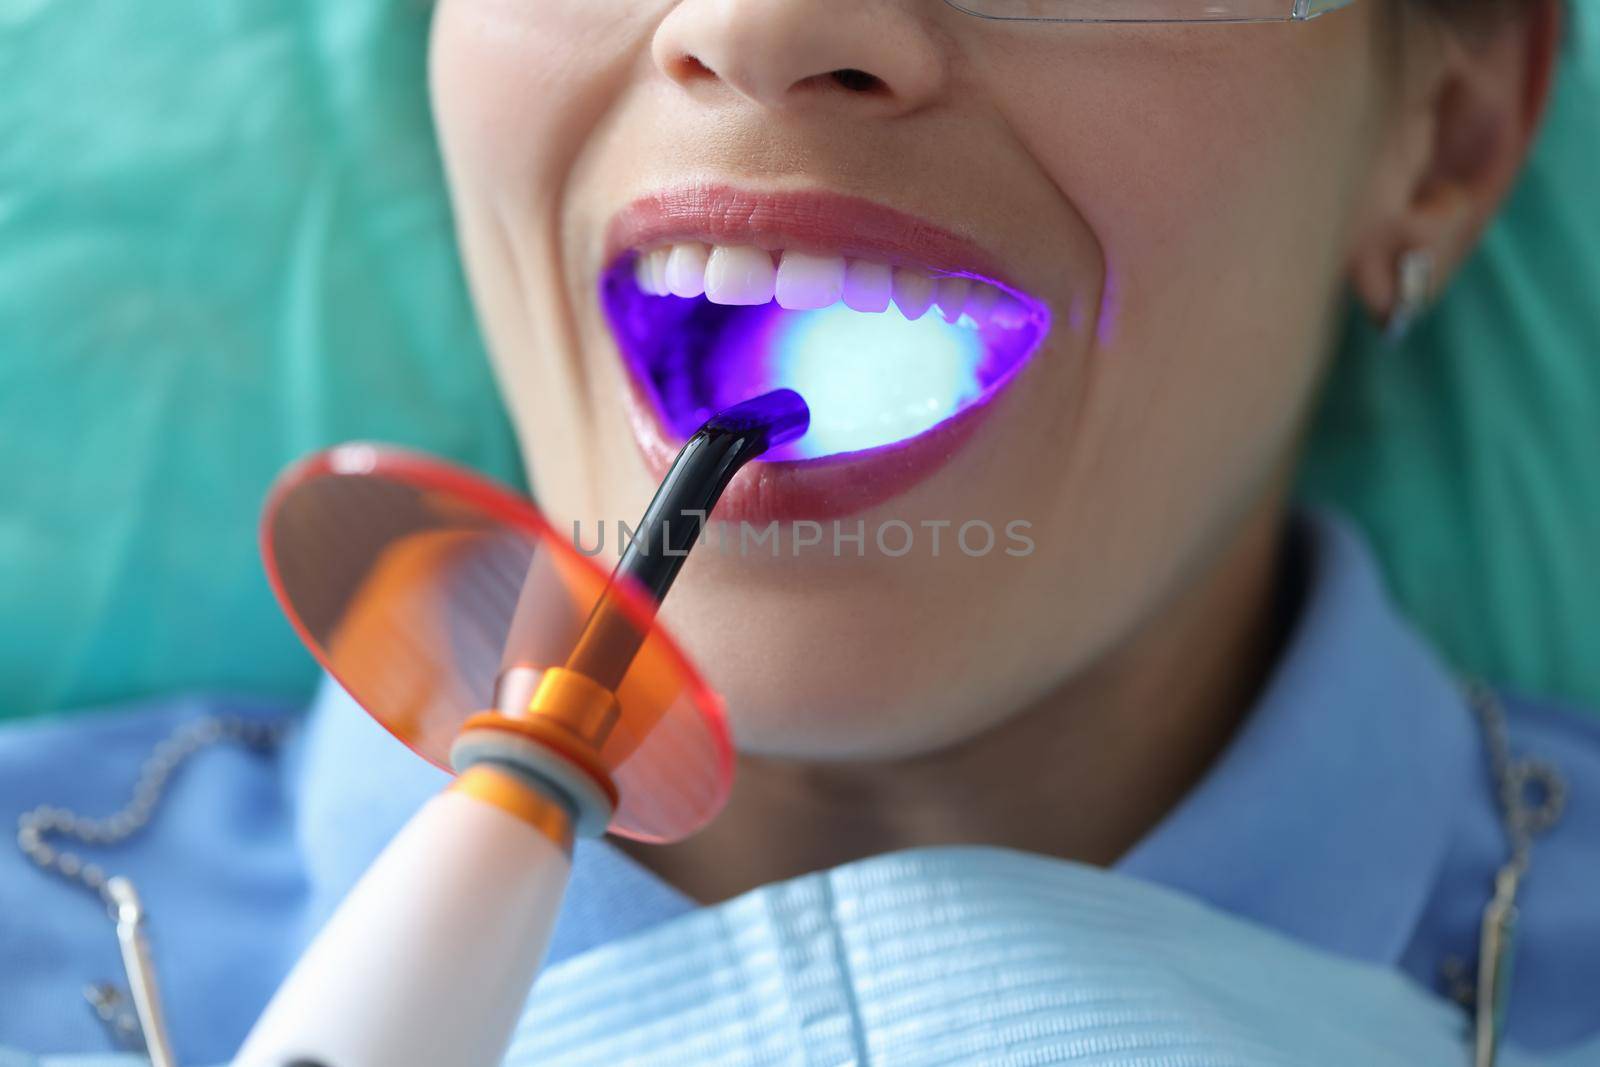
[
  {"x": 850, "y": 79},
  {"x": 857, "y": 81},
  {"x": 690, "y": 68}
]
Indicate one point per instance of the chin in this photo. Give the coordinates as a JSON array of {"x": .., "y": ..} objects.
[{"x": 834, "y": 672}]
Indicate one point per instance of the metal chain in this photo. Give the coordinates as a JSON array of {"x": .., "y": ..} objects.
[
  {"x": 1531, "y": 796},
  {"x": 1517, "y": 782},
  {"x": 36, "y": 828}
]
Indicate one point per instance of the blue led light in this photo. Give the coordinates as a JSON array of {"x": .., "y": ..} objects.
[{"x": 872, "y": 380}]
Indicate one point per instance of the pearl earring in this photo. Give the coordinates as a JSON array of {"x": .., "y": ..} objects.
[{"x": 1414, "y": 290}]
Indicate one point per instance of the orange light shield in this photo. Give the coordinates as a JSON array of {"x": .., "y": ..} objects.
[{"x": 418, "y": 585}]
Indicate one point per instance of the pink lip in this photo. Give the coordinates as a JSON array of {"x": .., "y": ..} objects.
[
  {"x": 805, "y": 221},
  {"x": 828, "y": 488},
  {"x": 834, "y": 486}
]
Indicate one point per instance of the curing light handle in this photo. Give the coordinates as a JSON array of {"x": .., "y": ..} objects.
[
  {"x": 679, "y": 511},
  {"x": 704, "y": 467},
  {"x": 429, "y": 959}
]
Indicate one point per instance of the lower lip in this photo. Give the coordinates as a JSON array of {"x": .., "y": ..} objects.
[{"x": 828, "y": 488}]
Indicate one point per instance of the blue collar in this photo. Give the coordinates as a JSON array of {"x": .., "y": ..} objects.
[
  {"x": 1328, "y": 817},
  {"x": 1330, "y": 814}
]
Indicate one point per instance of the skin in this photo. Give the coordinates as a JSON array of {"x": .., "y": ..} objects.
[{"x": 1193, "y": 202}]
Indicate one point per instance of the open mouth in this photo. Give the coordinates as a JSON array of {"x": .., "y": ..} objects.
[{"x": 882, "y": 353}]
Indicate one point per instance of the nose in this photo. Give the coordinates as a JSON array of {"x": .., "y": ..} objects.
[{"x": 875, "y": 55}]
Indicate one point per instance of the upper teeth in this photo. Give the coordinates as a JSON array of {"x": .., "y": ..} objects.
[{"x": 804, "y": 281}]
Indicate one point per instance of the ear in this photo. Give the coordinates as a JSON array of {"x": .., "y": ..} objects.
[{"x": 1467, "y": 105}]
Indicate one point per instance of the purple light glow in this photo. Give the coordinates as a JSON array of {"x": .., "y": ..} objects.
[{"x": 871, "y": 380}]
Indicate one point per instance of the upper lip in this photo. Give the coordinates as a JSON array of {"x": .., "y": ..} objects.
[{"x": 807, "y": 221}]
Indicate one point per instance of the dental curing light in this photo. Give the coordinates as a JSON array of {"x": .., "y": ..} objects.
[
  {"x": 461, "y": 621},
  {"x": 675, "y": 517}
]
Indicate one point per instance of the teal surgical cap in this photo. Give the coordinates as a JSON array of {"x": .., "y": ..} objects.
[{"x": 224, "y": 242}]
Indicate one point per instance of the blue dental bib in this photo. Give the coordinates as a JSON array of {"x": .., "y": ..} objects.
[{"x": 980, "y": 955}]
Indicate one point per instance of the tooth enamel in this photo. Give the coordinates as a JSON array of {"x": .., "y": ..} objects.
[
  {"x": 658, "y": 269},
  {"x": 739, "y": 275},
  {"x": 804, "y": 281},
  {"x": 807, "y": 282},
  {"x": 685, "y": 273},
  {"x": 951, "y": 296},
  {"x": 913, "y": 293},
  {"x": 654, "y": 281},
  {"x": 644, "y": 273},
  {"x": 867, "y": 286},
  {"x": 980, "y": 303}
]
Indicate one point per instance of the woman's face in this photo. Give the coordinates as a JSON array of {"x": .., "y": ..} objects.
[{"x": 1179, "y": 202}]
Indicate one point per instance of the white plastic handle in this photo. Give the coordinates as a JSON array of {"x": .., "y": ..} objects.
[{"x": 429, "y": 959}]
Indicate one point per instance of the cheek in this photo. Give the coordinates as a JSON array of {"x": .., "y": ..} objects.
[
  {"x": 1193, "y": 155},
  {"x": 517, "y": 84},
  {"x": 1216, "y": 169}
]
